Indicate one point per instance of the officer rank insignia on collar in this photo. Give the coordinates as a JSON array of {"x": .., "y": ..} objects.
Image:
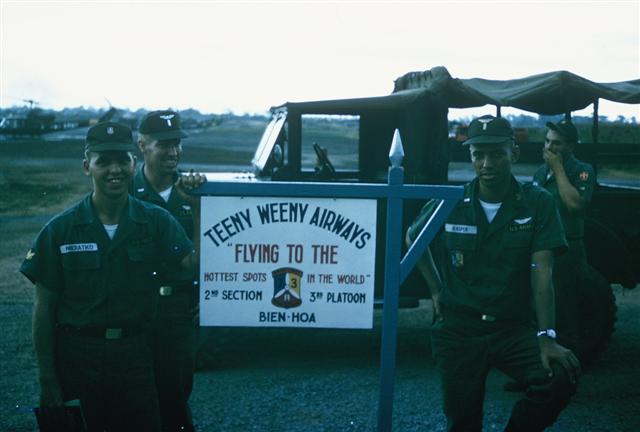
[
  {"x": 30, "y": 255},
  {"x": 584, "y": 176}
]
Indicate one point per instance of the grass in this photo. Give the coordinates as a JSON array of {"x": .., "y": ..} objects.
[{"x": 40, "y": 190}]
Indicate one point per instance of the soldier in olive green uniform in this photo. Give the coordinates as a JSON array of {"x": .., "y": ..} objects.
[
  {"x": 571, "y": 184},
  {"x": 96, "y": 268},
  {"x": 173, "y": 335},
  {"x": 495, "y": 257}
]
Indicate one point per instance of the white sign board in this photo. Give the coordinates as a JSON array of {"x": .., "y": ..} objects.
[{"x": 287, "y": 262}]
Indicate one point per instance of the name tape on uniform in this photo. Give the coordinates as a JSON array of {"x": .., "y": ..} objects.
[
  {"x": 78, "y": 247},
  {"x": 461, "y": 229}
]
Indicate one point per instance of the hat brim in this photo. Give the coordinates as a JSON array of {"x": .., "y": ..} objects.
[
  {"x": 110, "y": 146},
  {"x": 487, "y": 139},
  {"x": 551, "y": 126},
  {"x": 173, "y": 134},
  {"x": 567, "y": 134}
]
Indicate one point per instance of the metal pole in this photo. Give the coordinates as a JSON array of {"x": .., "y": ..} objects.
[
  {"x": 391, "y": 289},
  {"x": 595, "y": 132}
]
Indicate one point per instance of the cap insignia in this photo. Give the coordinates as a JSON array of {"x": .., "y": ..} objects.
[
  {"x": 110, "y": 130},
  {"x": 30, "y": 255},
  {"x": 168, "y": 118},
  {"x": 584, "y": 176},
  {"x": 485, "y": 122}
]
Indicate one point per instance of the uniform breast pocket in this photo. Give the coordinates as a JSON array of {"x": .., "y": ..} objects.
[
  {"x": 143, "y": 266},
  {"x": 460, "y": 241},
  {"x": 517, "y": 240},
  {"x": 517, "y": 246},
  {"x": 140, "y": 253},
  {"x": 460, "y": 249},
  {"x": 81, "y": 273}
]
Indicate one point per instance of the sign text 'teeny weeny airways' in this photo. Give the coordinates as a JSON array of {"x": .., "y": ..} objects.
[{"x": 288, "y": 212}]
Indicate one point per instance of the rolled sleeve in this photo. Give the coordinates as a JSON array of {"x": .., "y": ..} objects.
[
  {"x": 42, "y": 262},
  {"x": 584, "y": 181},
  {"x": 548, "y": 232}
]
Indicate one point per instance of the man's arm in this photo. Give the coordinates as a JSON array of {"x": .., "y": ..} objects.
[
  {"x": 44, "y": 322},
  {"x": 544, "y": 300},
  {"x": 569, "y": 195},
  {"x": 191, "y": 261},
  {"x": 427, "y": 268},
  {"x": 186, "y": 183}
]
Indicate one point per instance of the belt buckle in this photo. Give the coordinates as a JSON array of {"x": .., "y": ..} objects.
[
  {"x": 113, "y": 333},
  {"x": 488, "y": 318},
  {"x": 166, "y": 290}
]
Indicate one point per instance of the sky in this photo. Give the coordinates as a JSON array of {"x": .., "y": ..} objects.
[{"x": 245, "y": 57}]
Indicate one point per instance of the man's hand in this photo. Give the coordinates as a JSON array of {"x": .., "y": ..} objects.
[
  {"x": 435, "y": 308},
  {"x": 195, "y": 313},
  {"x": 187, "y": 182},
  {"x": 50, "y": 393},
  {"x": 551, "y": 351},
  {"x": 554, "y": 160}
]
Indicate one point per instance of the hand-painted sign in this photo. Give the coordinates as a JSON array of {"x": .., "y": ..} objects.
[{"x": 287, "y": 262}]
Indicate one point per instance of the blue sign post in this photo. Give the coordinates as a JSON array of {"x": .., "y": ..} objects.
[{"x": 396, "y": 267}]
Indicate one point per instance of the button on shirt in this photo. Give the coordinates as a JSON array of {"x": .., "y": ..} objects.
[
  {"x": 486, "y": 267},
  {"x": 583, "y": 178},
  {"x": 103, "y": 282}
]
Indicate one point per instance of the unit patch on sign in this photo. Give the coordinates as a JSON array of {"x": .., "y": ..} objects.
[
  {"x": 78, "y": 247},
  {"x": 286, "y": 287}
]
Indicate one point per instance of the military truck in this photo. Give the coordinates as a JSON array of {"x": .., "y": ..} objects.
[{"x": 301, "y": 143}]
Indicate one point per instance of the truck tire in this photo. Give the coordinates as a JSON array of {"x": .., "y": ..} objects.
[{"x": 597, "y": 316}]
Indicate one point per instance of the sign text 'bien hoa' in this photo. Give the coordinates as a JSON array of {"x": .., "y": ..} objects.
[{"x": 282, "y": 262}]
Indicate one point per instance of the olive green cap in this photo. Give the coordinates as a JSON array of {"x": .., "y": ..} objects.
[
  {"x": 109, "y": 136},
  {"x": 162, "y": 125},
  {"x": 489, "y": 130},
  {"x": 566, "y": 129}
]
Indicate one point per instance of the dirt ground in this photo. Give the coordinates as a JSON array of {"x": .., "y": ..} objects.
[{"x": 284, "y": 379}]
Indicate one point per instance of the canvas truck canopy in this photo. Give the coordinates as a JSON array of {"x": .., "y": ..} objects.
[
  {"x": 548, "y": 93},
  {"x": 419, "y": 105}
]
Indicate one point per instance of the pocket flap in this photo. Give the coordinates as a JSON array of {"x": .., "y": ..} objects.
[
  {"x": 140, "y": 252},
  {"x": 81, "y": 260},
  {"x": 456, "y": 241}
]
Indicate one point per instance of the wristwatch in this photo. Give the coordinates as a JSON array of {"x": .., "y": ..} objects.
[{"x": 550, "y": 333}]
